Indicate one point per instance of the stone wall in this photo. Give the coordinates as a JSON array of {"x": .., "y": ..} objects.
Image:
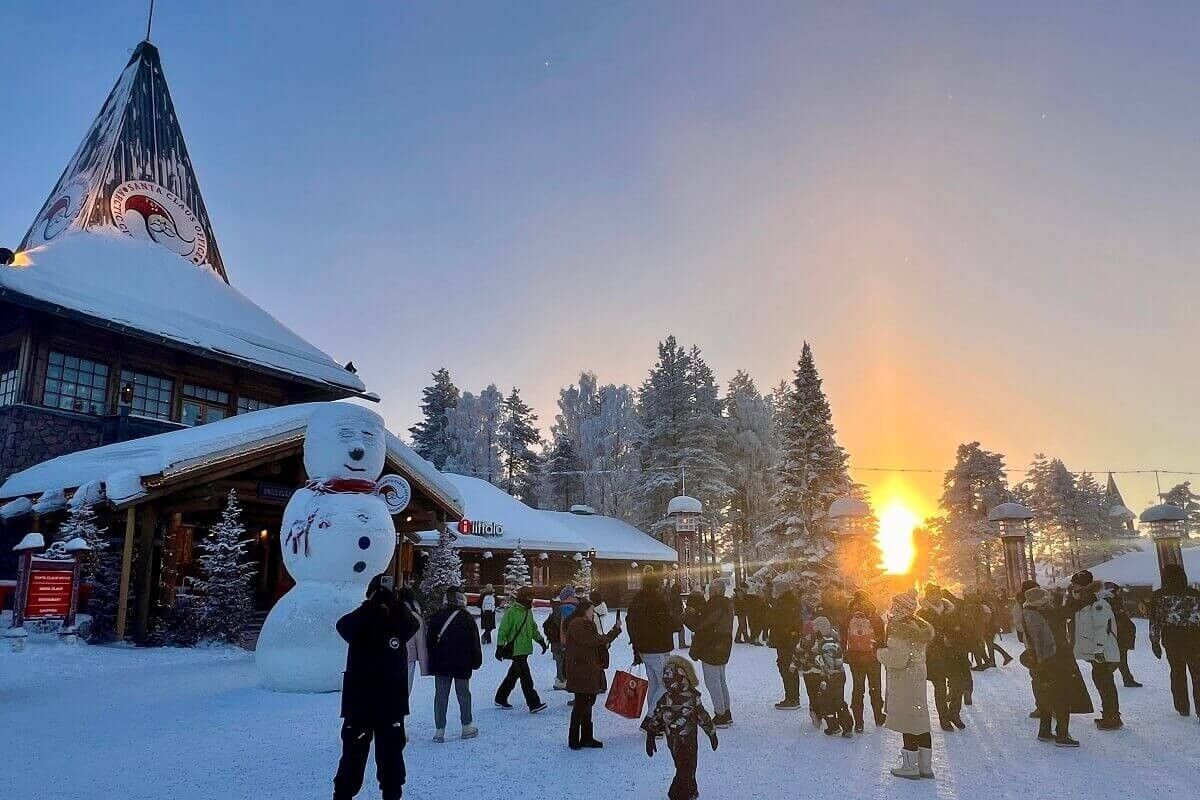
[{"x": 30, "y": 435}]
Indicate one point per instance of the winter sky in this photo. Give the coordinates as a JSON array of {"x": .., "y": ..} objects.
[{"x": 983, "y": 216}]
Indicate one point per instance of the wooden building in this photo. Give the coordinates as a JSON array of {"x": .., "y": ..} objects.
[
  {"x": 159, "y": 495},
  {"x": 117, "y": 317}
]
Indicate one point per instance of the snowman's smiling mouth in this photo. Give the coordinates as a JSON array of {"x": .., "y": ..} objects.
[{"x": 354, "y": 469}]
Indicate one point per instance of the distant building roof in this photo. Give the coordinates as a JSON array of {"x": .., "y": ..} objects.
[
  {"x": 683, "y": 504},
  {"x": 613, "y": 538}
]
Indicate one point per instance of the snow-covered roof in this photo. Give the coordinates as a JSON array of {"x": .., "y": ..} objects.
[
  {"x": 613, "y": 538},
  {"x": 684, "y": 505},
  {"x": 1140, "y": 567},
  {"x": 1164, "y": 513},
  {"x": 137, "y": 286},
  {"x": 1121, "y": 512},
  {"x": 484, "y": 503},
  {"x": 124, "y": 466},
  {"x": 1009, "y": 511},
  {"x": 848, "y": 507}
]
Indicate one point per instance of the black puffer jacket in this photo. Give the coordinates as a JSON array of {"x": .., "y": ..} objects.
[
  {"x": 712, "y": 626},
  {"x": 652, "y": 622},
  {"x": 375, "y": 683},
  {"x": 457, "y": 652}
]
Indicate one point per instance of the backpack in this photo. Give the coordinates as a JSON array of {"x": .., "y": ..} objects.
[{"x": 860, "y": 634}]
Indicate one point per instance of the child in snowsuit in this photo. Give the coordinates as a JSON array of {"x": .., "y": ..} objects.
[
  {"x": 679, "y": 715},
  {"x": 825, "y": 673}
]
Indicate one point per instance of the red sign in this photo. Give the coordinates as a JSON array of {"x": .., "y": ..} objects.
[
  {"x": 464, "y": 526},
  {"x": 49, "y": 593}
]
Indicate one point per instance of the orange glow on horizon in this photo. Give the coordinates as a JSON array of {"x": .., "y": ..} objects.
[{"x": 897, "y": 520}]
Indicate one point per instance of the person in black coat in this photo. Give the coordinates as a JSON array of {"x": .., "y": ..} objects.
[
  {"x": 1175, "y": 627},
  {"x": 652, "y": 623},
  {"x": 1058, "y": 687},
  {"x": 711, "y": 623},
  {"x": 786, "y": 625},
  {"x": 741, "y": 611},
  {"x": 375, "y": 692},
  {"x": 454, "y": 653},
  {"x": 1126, "y": 633}
]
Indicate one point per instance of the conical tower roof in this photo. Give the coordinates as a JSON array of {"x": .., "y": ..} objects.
[
  {"x": 132, "y": 173},
  {"x": 1112, "y": 494}
]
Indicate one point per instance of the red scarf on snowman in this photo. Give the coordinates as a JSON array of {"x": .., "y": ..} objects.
[{"x": 298, "y": 535}]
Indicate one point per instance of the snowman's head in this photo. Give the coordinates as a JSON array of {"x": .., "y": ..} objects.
[{"x": 344, "y": 441}]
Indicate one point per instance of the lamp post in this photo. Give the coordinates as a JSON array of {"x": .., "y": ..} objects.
[
  {"x": 848, "y": 519},
  {"x": 1013, "y": 520},
  {"x": 1166, "y": 523},
  {"x": 685, "y": 512}
]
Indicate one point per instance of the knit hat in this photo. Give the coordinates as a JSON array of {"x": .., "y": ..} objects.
[
  {"x": 1037, "y": 597},
  {"x": 1082, "y": 578},
  {"x": 821, "y": 625},
  {"x": 904, "y": 605}
]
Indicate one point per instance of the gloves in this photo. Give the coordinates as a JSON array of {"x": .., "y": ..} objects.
[
  {"x": 712, "y": 739},
  {"x": 1156, "y": 648},
  {"x": 651, "y": 749},
  {"x": 544, "y": 647},
  {"x": 637, "y": 659}
]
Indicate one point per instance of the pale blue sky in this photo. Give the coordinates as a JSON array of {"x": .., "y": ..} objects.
[{"x": 983, "y": 216}]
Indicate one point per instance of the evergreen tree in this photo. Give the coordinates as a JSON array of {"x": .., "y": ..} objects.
[
  {"x": 582, "y": 579},
  {"x": 100, "y": 567},
  {"x": 562, "y": 482},
  {"x": 443, "y": 569},
  {"x": 224, "y": 585},
  {"x": 518, "y": 436},
  {"x": 812, "y": 475},
  {"x": 1049, "y": 489},
  {"x": 752, "y": 456},
  {"x": 708, "y": 441},
  {"x": 1182, "y": 495},
  {"x": 957, "y": 540},
  {"x": 516, "y": 573},
  {"x": 473, "y": 433},
  {"x": 429, "y": 436}
]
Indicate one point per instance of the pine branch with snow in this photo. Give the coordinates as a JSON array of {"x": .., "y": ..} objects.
[
  {"x": 224, "y": 586},
  {"x": 582, "y": 579},
  {"x": 516, "y": 573},
  {"x": 443, "y": 569}
]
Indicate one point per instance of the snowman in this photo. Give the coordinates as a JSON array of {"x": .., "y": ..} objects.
[{"x": 337, "y": 534}]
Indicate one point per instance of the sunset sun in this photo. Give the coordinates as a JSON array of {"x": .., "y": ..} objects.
[{"x": 896, "y": 523}]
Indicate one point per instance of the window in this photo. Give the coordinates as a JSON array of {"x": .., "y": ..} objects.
[
  {"x": 76, "y": 384},
  {"x": 151, "y": 394},
  {"x": 201, "y": 405},
  {"x": 247, "y": 404},
  {"x": 541, "y": 574},
  {"x": 9, "y": 378},
  {"x": 633, "y": 580}
]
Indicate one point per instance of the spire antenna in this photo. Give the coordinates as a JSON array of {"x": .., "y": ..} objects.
[{"x": 149, "y": 20}]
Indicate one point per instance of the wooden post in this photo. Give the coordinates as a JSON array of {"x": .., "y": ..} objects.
[
  {"x": 146, "y": 543},
  {"x": 126, "y": 567}
]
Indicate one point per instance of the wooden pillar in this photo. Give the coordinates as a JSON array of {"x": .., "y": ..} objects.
[
  {"x": 126, "y": 567},
  {"x": 146, "y": 543}
]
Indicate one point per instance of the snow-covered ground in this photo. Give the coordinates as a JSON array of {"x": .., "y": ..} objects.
[{"x": 117, "y": 722}]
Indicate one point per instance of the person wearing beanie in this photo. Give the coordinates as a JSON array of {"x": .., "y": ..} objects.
[
  {"x": 1094, "y": 634},
  {"x": 374, "y": 692},
  {"x": 487, "y": 612},
  {"x": 906, "y": 706},
  {"x": 1175, "y": 628},
  {"x": 652, "y": 624},
  {"x": 828, "y": 660},
  {"x": 711, "y": 623},
  {"x": 587, "y": 658},
  {"x": 518, "y": 632},
  {"x": 454, "y": 653},
  {"x": 1058, "y": 687},
  {"x": 862, "y": 635},
  {"x": 784, "y": 635},
  {"x": 944, "y": 658}
]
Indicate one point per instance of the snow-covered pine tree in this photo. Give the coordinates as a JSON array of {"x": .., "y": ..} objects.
[
  {"x": 100, "y": 567},
  {"x": 1049, "y": 490},
  {"x": 664, "y": 407},
  {"x": 753, "y": 453},
  {"x": 81, "y": 524},
  {"x": 975, "y": 486},
  {"x": 812, "y": 474},
  {"x": 582, "y": 579},
  {"x": 473, "y": 433},
  {"x": 1182, "y": 495},
  {"x": 224, "y": 585},
  {"x": 429, "y": 436},
  {"x": 518, "y": 436},
  {"x": 516, "y": 573},
  {"x": 562, "y": 483},
  {"x": 443, "y": 569},
  {"x": 707, "y": 440}
]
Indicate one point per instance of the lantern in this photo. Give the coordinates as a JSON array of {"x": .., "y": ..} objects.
[
  {"x": 1167, "y": 524},
  {"x": 847, "y": 517},
  {"x": 1013, "y": 522}
]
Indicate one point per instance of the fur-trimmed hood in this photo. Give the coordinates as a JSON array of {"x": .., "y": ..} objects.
[{"x": 911, "y": 629}]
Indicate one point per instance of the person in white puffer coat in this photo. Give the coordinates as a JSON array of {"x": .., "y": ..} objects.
[{"x": 1095, "y": 641}]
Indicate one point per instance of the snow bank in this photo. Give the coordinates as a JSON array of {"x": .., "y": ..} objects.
[
  {"x": 147, "y": 288},
  {"x": 1140, "y": 567}
]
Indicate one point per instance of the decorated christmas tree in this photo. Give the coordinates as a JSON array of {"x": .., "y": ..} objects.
[
  {"x": 516, "y": 573},
  {"x": 224, "y": 587},
  {"x": 582, "y": 579},
  {"x": 442, "y": 570}
]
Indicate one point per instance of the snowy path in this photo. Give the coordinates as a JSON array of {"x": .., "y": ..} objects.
[{"x": 151, "y": 724}]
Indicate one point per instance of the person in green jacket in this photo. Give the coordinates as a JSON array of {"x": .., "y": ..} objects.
[{"x": 518, "y": 629}]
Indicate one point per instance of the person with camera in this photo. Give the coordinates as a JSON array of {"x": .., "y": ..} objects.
[{"x": 375, "y": 691}]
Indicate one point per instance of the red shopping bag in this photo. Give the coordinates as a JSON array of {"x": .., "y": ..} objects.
[{"x": 627, "y": 695}]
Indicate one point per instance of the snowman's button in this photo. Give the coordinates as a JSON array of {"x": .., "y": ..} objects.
[
  {"x": 360, "y": 566},
  {"x": 364, "y": 542}
]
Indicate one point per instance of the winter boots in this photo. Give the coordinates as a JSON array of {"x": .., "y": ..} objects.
[
  {"x": 787, "y": 704},
  {"x": 908, "y": 766},
  {"x": 439, "y": 736},
  {"x": 470, "y": 732},
  {"x": 925, "y": 761},
  {"x": 1111, "y": 722},
  {"x": 723, "y": 720}
]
